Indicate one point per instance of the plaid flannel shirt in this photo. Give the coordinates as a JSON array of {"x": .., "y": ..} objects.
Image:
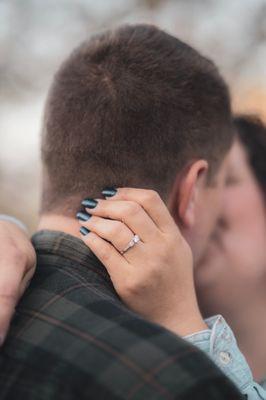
[{"x": 72, "y": 338}]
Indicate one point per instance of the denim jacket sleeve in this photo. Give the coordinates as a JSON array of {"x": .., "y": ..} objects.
[{"x": 219, "y": 343}]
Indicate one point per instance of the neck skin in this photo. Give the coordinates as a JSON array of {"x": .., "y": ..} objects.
[
  {"x": 249, "y": 326},
  {"x": 54, "y": 222}
]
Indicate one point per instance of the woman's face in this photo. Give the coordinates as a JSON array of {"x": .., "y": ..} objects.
[{"x": 234, "y": 265}]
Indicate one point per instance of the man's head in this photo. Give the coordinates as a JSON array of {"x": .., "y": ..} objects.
[{"x": 134, "y": 107}]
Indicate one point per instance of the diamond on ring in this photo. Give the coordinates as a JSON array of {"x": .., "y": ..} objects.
[{"x": 132, "y": 243}]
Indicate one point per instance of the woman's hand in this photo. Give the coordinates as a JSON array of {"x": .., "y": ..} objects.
[
  {"x": 154, "y": 277},
  {"x": 17, "y": 266}
]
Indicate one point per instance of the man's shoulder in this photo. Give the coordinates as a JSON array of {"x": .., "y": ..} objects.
[
  {"x": 69, "y": 329},
  {"x": 73, "y": 338},
  {"x": 62, "y": 306}
]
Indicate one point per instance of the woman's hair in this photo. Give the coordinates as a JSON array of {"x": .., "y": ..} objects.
[{"x": 252, "y": 133}]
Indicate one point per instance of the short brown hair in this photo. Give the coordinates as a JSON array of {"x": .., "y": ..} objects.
[
  {"x": 252, "y": 133},
  {"x": 130, "y": 107}
]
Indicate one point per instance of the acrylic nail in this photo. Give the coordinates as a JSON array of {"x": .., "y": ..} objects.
[
  {"x": 109, "y": 192},
  {"x": 83, "y": 216},
  {"x": 84, "y": 231},
  {"x": 89, "y": 203}
]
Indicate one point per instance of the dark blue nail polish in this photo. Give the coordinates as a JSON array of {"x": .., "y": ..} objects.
[
  {"x": 83, "y": 216},
  {"x": 89, "y": 203},
  {"x": 84, "y": 231},
  {"x": 109, "y": 192}
]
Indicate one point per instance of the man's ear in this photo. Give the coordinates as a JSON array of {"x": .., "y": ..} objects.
[{"x": 186, "y": 191}]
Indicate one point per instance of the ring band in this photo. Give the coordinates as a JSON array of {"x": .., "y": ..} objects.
[{"x": 132, "y": 243}]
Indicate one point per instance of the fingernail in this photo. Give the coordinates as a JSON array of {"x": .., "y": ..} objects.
[
  {"x": 89, "y": 203},
  {"x": 84, "y": 231},
  {"x": 109, "y": 192},
  {"x": 83, "y": 216}
]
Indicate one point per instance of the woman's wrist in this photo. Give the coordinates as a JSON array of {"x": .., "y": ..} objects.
[
  {"x": 183, "y": 320},
  {"x": 187, "y": 325}
]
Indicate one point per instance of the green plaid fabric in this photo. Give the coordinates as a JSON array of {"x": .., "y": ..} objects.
[{"x": 72, "y": 338}]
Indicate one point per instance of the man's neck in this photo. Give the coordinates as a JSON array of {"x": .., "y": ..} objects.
[{"x": 60, "y": 223}]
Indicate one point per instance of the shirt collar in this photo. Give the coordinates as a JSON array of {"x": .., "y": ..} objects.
[{"x": 72, "y": 249}]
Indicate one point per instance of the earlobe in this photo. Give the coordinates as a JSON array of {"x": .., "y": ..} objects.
[{"x": 186, "y": 192}]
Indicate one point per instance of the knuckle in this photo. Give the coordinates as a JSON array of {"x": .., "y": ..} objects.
[
  {"x": 132, "y": 208},
  {"x": 116, "y": 228},
  {"x": 127, "y": 288},
  {"x": 92, "y": 239},
  {"x": 93, "y": 223},
  {"x": 105, "y": 255},
  {"x": 130, "y": 291},
  {"x": 172, "y": 239},
  {"x": 9, "y": 296},
  {"x": 161, "y": 256},
  {"x": 124, "y": 193},
  {"x": 151, "y": 196},
  {"x": 106, "y": 231},
  {"x": 135, "y": 286}
]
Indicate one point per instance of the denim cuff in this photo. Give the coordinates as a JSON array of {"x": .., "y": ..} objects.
[{"x": 219, "y": 343}]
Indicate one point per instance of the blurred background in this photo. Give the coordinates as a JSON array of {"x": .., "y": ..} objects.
[{"x": 35, "y": 36}]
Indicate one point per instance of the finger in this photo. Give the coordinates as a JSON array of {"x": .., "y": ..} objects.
[
  {"x": 7, "y": 310},
  {"x": 13, "y": 283},
  {"x": 113, "y": 261},
  {"x": 115, "y": 232},
  {"x": 150, "y": 201},
  {"x": 26, "y": 280},
  {"x": 128, "y": 212},
  {"x": 10, "y": 282}
]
